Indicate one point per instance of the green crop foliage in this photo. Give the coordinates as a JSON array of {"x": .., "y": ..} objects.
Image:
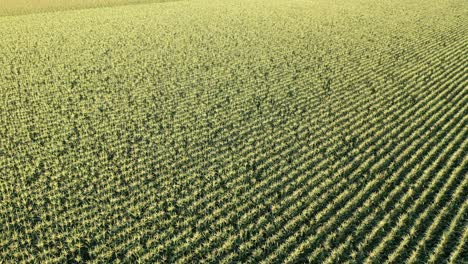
[{"x": 234, "y": 131}]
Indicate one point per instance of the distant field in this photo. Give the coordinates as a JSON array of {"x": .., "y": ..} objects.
[
  {"x": 235, "y": 131},
  {"x": 19, "y": 7}
]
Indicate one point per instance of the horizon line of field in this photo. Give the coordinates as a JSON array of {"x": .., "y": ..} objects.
[{"x": 15, "y": 11}]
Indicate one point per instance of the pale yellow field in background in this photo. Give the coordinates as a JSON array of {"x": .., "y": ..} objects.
[{"x": 19, "y": 7}]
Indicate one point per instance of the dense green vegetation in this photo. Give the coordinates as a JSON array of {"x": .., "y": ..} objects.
[{"x": 260, "y": 131}]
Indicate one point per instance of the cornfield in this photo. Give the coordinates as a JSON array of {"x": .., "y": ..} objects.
[{"x": 241, "y": 131}]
